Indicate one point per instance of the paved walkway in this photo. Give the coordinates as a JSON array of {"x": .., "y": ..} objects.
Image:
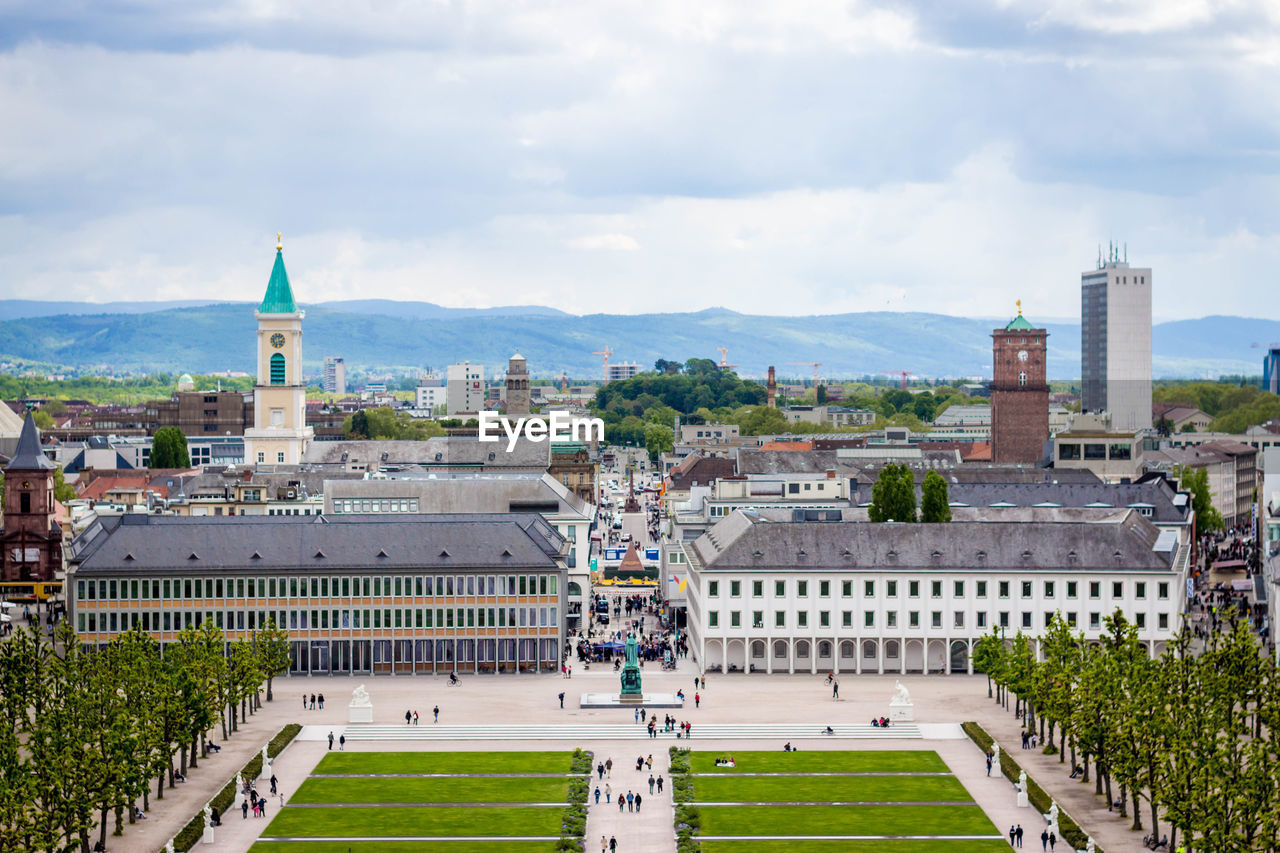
[
  {"x": 731, "y": 699},
  {"x": 652, "y": 829}
]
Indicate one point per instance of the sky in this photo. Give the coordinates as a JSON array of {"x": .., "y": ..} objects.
[{"x": 632, "y": 156}]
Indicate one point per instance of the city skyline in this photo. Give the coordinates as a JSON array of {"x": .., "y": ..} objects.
[{"x": 855, "y": 157}]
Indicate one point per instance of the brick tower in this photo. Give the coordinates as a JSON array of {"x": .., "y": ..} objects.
[
  {"x": 1019, "y": 392},
  {"x": 32, "y": 540}
]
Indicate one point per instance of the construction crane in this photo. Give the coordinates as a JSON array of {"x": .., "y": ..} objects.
[
  {"x": 905, "y": 374},
  {"x": 724, "y": 364},
  {"x": 814, "y": 364},
  {"x": 606, "y": 352}
]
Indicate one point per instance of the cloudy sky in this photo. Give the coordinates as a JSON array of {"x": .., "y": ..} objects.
[{"x": 643, "y": 155}]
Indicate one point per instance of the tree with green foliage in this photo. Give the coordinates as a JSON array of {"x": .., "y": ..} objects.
[
  {"x": 169, "y": 449},
  {"x": 668, "y": 368},
  {"x": 935, "y": 507},
  {"x": 62, "y": 490},
  {"x": 43, "y": 419},
  {"x": 272, "y": 645},
  {"x": 658, "y": 439},
  {"x": 1196, "y": 481},
  {"x": 893, "y": 496},
  {"x": 387, "y": 424}
]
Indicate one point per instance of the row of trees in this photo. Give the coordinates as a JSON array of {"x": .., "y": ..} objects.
[
  {"x": 85, "y": 732},
  {"x": 893, "y": 497},
  {"x": 1191, "y": 738},
  {"x": 1234, "y": 408}
]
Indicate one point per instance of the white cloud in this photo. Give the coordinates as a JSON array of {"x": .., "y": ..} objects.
[{"x": 609, "y": 242}]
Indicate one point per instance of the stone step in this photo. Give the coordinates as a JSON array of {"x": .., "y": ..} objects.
[{"x": 615, "y": 731}]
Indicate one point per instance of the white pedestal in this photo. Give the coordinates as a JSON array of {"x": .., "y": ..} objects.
[
  {"x": 207, "y": 837},
  {"x": 360, "y": 714},
  {"x": 902, "y": 712},
  {"x": 1024, "y": 802}
]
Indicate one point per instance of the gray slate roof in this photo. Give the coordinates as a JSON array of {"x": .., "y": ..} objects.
[
  {"x": 453, "y": 452},
  {"x": 148, "y": 543},
  {"x": 747, "y": 540},
  {"x": 792, "y": 462},
  {"x": 29, "y": 455},
  {"x": 493, "y": 493}
]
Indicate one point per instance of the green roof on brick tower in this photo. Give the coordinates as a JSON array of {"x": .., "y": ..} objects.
[
  {"x": 1017, "y": 324},
  {"x": 279, "y": 296}
]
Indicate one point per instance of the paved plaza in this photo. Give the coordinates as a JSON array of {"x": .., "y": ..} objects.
[{"x": 515, "y": 712}]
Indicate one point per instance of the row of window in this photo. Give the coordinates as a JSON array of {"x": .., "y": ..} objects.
[
  {"x": 1095, "y": 450},
  {"x": 332, "y": 619},
  {"x": 913, "y": 619},
  {"x": 1026, "y": 589},
  {"x": 421, "y": 586},
  {"x": 380, "y": 505}
]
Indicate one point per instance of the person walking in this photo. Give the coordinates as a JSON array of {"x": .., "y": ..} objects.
[
  {"x": 651, "y": 783},
  {"x": 342, "y": 743},
  {"x": 313, "y": 701},
  {"x": 835, "y": 690},
  {"x": 989, "y": 760},
  {"x": 304, "y": 701},
  {"x": 408, "y": 717},
  {"x": 631, "y": 801},
  {"x": 1053, "y": 840},
  {"x": 273, "y": 783},
  {"x": 622, "y": 803},
  {"x": 1044, "y": 839},
  {"x": 331, "y": 741},
  {"x": 436, "y": 711},
  {"x": 608, "y": 792},
  {"x": 599, "y": 769},
  {"x": 244, "y": 809},
  {"x": 637, "y": 802},
  {"x": 608, "y": 767},
  {"x": 1019, "y": 835},
  {"x": 1012, "y": 836},
  {"x": 415, "y": 718},
  {"x": 321, "y": 698},
  {"x": 604, "y": 844},
  {"x": 597, "y": 795},
  {"x": 659, "y": 784},
  {"x": 561, "y": 700},
  {"x": 697, "y": 700},
  {"x": 613, "y": 844}
]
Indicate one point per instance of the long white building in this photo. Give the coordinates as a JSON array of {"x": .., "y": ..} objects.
[{"x": 780, "y": 595}]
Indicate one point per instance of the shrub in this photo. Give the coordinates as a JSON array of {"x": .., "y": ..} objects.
[{"x": 1071, "y": 831}]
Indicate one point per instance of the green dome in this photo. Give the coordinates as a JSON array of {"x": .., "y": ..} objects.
[{"x": 1019, "y": 324}]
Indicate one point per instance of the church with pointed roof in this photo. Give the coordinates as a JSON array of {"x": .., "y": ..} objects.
[
  {"x": 280, "y": 435},
  {"x": 31, "y": 543}
]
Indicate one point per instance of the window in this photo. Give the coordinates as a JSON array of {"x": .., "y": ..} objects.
[
  {"x": 1068, "y": 451},
  {"x": 1026, "y": 589},
  {"x": 935, "y": 619},
  {"x": 1121, "y": 451},
  {"x": 735, "y": 589},
  {"x": 1140, "y": 590},
  {"x": 1095, "y": 620},
  {"x": 913, "y": 619},
  {"x": 1095, "y": 589},
  {"x": 802, "y": 589},
  {"x": 277, "y": 369},
  {"x": 824, "y": 589},
  {"x": 958, "y": 589},
  {"x": 1095, "y": 451},
  {"x": 713, "y": 619},
  {"x": 757, "y": 619},
  {"x": 891, "y": 619},
  {"x": 1117, "y": 589},
  {"x": 982, "y": 620},
  {"x": 1026, "y": 620},
  {"x": 1163, "y": 621},
  {"x": 1072, "y": 590},
  {"x": 913, "y": 589},
  {"x": 1004, "y": 589},
  {"x": 1004, "y": 618},
  {"x": 869, "y": 589},
  {"x": 891, "y": 588},
  {"x": 757, "y": 589},
  {"x": 1048, "y": 589},
  {"x": 713, "y": 589},
  {"x": 846, "y": 588},
  {"x": 1140, "y": 619},
  {"x": 1162, "y": 590},
  {"x": 1022, "y": 378},
  {"x": 779, "y": 588},
  {"x": 1071, "y": 618},
  {"x": 824, "y": 619},
  {"x": 735, "y": 618},
  {"x": 802, "y": 619},
  {"x": 869, "y": 619},
  {"x": 779, "y": 618},
  {"x": 982, "y": 588},
  {"x": 935, "y": 589},
  {"x": 959, "y": 620}
]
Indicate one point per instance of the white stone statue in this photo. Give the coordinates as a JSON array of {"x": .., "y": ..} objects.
[
  {"x": 901, "y": 697},
  {"x": 1022, "y": 782},
  {"x": 265, "y": 761},
  {"x": 1053, "y": 815},
  {"x": 168, "y": 846},
  {"x": 360, "y": 698},
  {"x": 208, "y": 814},
  {"x": 995, "y": 758},
  {"x": 1089, "y": 848}
]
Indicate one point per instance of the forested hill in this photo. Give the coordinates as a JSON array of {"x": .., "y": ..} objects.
[{"x": 219, "y": 337}]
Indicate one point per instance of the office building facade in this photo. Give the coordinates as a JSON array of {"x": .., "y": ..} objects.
[
  {"x": 465, "y": 389},
  {"x": 335, "y": 375},
  {"x": 1115, "y": 342}
]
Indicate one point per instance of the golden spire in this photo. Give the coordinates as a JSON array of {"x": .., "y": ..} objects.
[
  {"x": 1019, "y": 302},
  {"x": 279, "y": 241}
]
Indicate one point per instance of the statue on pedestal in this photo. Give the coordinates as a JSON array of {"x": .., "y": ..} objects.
[
  {"x": 1089, "y": 848},
  {"x": 631, "y": 671},
  {"x": 1022, "y": 782},
  {"x": 1053, "y": 817},
  {"x": 995, "y": 760},
  {"x": 900, "y": 708},
  {"x": 360, "y": 698},
  {"x": 361, "y": 708},
  {"x": 901, "y": 697}
]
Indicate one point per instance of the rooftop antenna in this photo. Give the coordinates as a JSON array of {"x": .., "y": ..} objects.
[
  {"x": 1099, "y": 256},
  {"x": 1126, "y": 252}
]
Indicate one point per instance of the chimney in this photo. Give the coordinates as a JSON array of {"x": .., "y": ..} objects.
[{"x": 771, "y": 388}]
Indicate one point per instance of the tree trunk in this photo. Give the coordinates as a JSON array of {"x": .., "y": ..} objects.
[
  {"x": 1155, "y": 819},
  {"x": 1085, "y": 776},
  {"x": 160, "y": 785},
  {"x": 1062, "y": 753},
  {"x": 102, "y": 827},
  {"x": 269, "y": 688},
  {"x": 1105, "y": 777},
  {"x": 223, "y": 715},
  {"x": 271, "y": 697}
]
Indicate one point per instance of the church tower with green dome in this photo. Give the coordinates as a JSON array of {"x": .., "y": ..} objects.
[
  {"x": 280, "y": 435},
  {"x": 1019, "y": 392}
]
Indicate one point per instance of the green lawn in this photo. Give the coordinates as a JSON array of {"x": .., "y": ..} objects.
[
  {"x": 841, "y": 820},
  {"x": 905, "y": 846},
  {"x": 789, "y": 789},
  {"x": 356, "y": 821},
  {"x": 445, "y": 762},
  {"x": 391, "y": 789},
  {"x": 852, "y": 761},
  {"x": 403, "y": 846}
]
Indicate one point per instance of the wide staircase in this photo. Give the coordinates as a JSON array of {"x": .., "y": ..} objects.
[{"x": 622, "y": 731}]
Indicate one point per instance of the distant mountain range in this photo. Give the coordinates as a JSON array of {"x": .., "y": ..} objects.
[{"x": 385, "y": 334}]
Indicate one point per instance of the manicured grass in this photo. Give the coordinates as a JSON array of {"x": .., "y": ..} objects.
[
  {"x": 390, "y": 789},
  {"x": 445, "y": 762},
  {"x": 790, "y": 789},
  {"x": 847, "y": 761},
  {"x": 841, "y": 820},
  {"x": 402, "y": 846},
  {"x": 896, "y": 846},
  {"x": 356, "y": 821}
]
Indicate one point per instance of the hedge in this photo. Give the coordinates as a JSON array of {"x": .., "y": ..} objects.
[
  {"x": 1071, "y": 831},
  {"x": 190, "y": 834},
  {"x": 573, "y": 825},
  {"x": 688, "y": 820}
]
